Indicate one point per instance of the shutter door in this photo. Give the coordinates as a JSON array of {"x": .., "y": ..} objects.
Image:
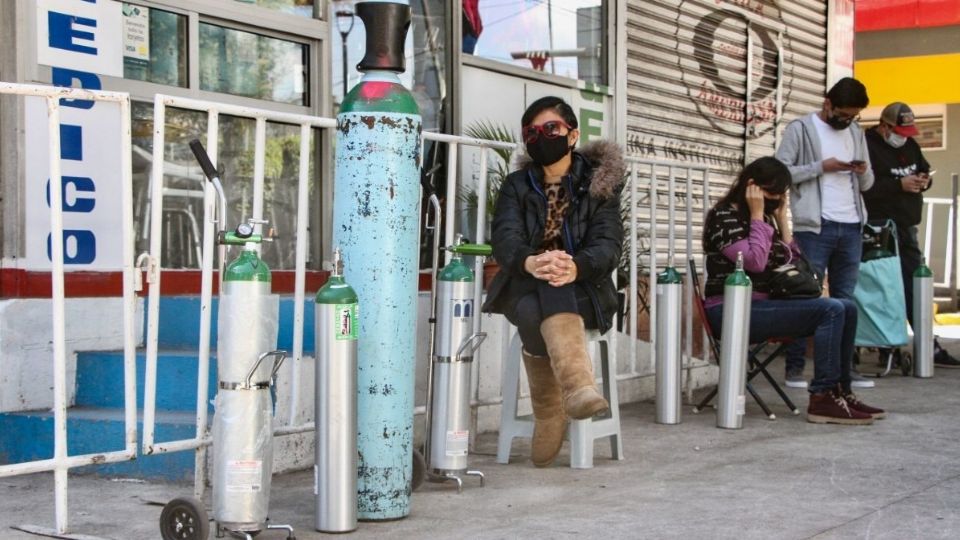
[{"x": 688, "y": 63}]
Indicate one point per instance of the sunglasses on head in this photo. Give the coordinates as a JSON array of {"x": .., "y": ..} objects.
[{"x": 550, "y": 130}]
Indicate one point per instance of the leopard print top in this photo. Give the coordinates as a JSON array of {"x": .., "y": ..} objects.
[{"x": 557, "y": 204}]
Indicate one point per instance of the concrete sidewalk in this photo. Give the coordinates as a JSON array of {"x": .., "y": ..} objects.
[{"x": 899, "y": 478}]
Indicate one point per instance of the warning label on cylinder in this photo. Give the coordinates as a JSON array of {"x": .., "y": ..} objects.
[
  {"x": 741, "y": 404},
  {"x": 244, "y": 475},
  {"x": 345, "y": 322},
  {"x": 457, "y": 442}
]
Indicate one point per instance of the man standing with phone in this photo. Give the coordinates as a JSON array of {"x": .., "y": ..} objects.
[
  {"x": 902, "y": 175},
  {"x": 827, "y": 155}
]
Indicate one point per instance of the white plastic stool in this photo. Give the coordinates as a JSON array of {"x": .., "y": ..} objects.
[{"x": 581, "y": 433}]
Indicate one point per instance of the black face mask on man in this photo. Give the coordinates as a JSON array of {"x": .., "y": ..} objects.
[
  {"x": 547, "y": 151},
  {"x": 838, "y": 123}
]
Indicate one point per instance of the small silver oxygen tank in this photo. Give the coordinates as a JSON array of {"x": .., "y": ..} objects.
[
  {"x": 734, "y": 343},
  {"x": 669, "y": 360},
  {"x": 923, "y": 321},
  {"x": 335, "y": 404}
]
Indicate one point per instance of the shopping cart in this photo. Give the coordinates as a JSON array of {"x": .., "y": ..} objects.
[{"x": 882, "y": 322}]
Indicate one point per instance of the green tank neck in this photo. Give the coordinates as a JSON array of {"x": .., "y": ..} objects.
[
  {"x": 923, "y": 271},
  {"x": 380, "y": 91},
  {"x": 456, "y": 271},
  {"x": 738, "y": 278},
  {"x": 669, "y": 276},
  {"x": 248, "y": 266},
  {"x": 336, "y": 291}
]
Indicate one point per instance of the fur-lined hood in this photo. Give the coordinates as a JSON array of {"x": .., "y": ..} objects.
[{"x": 605, "y": 158}]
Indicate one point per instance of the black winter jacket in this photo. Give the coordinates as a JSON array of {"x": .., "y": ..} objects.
[
  {"x": 886, "y": 199},
  {"x": 593, "y": 230}
]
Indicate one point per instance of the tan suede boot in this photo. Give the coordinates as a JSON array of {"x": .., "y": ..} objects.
[
  {"x": 567, "y": 346},
  {"x": 549, "y": 421}
]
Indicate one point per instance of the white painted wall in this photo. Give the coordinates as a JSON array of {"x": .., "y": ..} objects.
[{"x": 26, "y": 349}]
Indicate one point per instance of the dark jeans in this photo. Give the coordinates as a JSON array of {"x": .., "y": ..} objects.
[
  {"x": 910, "y": 258},
  {"x": 831, "y": 321},
  {"x": 533, "y": 308},
  {"x": 836, "y": 250}
]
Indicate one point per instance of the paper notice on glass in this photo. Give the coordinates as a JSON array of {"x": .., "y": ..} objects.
[{"x": 136, "y": 34}]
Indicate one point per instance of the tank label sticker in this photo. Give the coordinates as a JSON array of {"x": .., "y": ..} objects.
[
  {"x": 457, "y": 442},
  {"x": 741, "y": 405},
  {"x": 244, "y": 475},
  {"x": 345, "y": 322}
]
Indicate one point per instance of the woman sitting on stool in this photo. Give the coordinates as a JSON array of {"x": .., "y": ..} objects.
[
  {"x": 557, "y": 235},
  {"x": 752, "y": 219}
]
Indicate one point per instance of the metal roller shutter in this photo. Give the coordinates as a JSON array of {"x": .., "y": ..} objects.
[{"x": 687, "y": 79}]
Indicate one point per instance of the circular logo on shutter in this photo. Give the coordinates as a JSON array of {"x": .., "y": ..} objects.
[{"x": 717, "y": 87}]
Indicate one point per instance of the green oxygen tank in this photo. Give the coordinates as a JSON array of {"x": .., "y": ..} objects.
[
  {"x": 922, "y": 321},
  {"x": 669, "y": 361},
  {"x": 335, "y": 404},
  {"x": 243, "y": 420},
  {"x": 734, "y": 342}
]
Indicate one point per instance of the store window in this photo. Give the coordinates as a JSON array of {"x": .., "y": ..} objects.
[
  {"x": 183, "y": 184},
  {"x": 561, "y": 37},
  {"x": 154, "y": 45},
  {"x": 304, "y": 8},
  {"x": 253, "y": 65}
]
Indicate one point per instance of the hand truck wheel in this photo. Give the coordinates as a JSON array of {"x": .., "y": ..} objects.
[{"x": 184, "y": 518}]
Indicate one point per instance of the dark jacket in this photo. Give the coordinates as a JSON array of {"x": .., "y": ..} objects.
[
  {"x": 886, "y": 199},
  {"x": 593, "y": 230}
]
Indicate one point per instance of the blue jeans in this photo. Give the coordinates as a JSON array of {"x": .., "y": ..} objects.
[
  {"x": 836, "y": 250},
  {"x": 831, "y": 321}
]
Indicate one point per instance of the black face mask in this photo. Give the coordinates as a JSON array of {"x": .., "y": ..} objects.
[
  {"x": 546, "y": 151},
  {"x": 839, "y": 124},
  {"x": 770, "y": 205}
]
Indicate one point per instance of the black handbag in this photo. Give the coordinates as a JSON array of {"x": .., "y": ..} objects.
[{"x": 796, "y": 279}]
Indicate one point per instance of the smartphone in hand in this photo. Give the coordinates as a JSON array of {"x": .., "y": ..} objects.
[{"x": 857, "y": 162}]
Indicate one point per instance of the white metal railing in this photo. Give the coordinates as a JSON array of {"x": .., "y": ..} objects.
[
  {"x": 306, "y": 123},
  {"x": 61, "y": 462},
  {"x": 947, "y": 274},
  {"x": 261, "y": 117},
  {"x": 654, "y": 177}
]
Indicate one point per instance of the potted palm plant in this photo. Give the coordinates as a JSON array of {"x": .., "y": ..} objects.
[{"x": 497, "y": 170}]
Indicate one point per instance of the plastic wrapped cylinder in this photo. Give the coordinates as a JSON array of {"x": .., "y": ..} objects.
[
  {"x": 243, "y": 458},
  {"x": 247, "y": 326},
  {"x": 243, "y": 417}
]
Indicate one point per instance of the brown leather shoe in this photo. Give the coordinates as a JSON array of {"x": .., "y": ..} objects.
[
  {"x": 567, "y": 346},
  {"x": 549, "y": 422},
  {"x": 831, "y": 408},
  {"x": 854, "y": 403}
]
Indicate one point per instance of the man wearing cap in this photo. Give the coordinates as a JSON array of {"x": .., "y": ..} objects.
[{"x": 901, "y": 176}]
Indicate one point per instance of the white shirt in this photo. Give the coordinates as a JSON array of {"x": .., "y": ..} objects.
[{"x": 838, "y": 190}]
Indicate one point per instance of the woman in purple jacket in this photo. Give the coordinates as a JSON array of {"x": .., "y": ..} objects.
[{"x": 752, "y": 219}]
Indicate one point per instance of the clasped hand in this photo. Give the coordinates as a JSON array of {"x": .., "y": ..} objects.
[{"x": 555, "y": 267}]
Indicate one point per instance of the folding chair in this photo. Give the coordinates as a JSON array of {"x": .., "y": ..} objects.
[{"x": 757, "y": 365}]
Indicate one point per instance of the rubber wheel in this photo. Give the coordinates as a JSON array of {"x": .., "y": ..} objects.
[
  {"x": 906, "y": 364},
  {"x": 419, "y": 470},
  {"x": 184, "y": 518}
]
